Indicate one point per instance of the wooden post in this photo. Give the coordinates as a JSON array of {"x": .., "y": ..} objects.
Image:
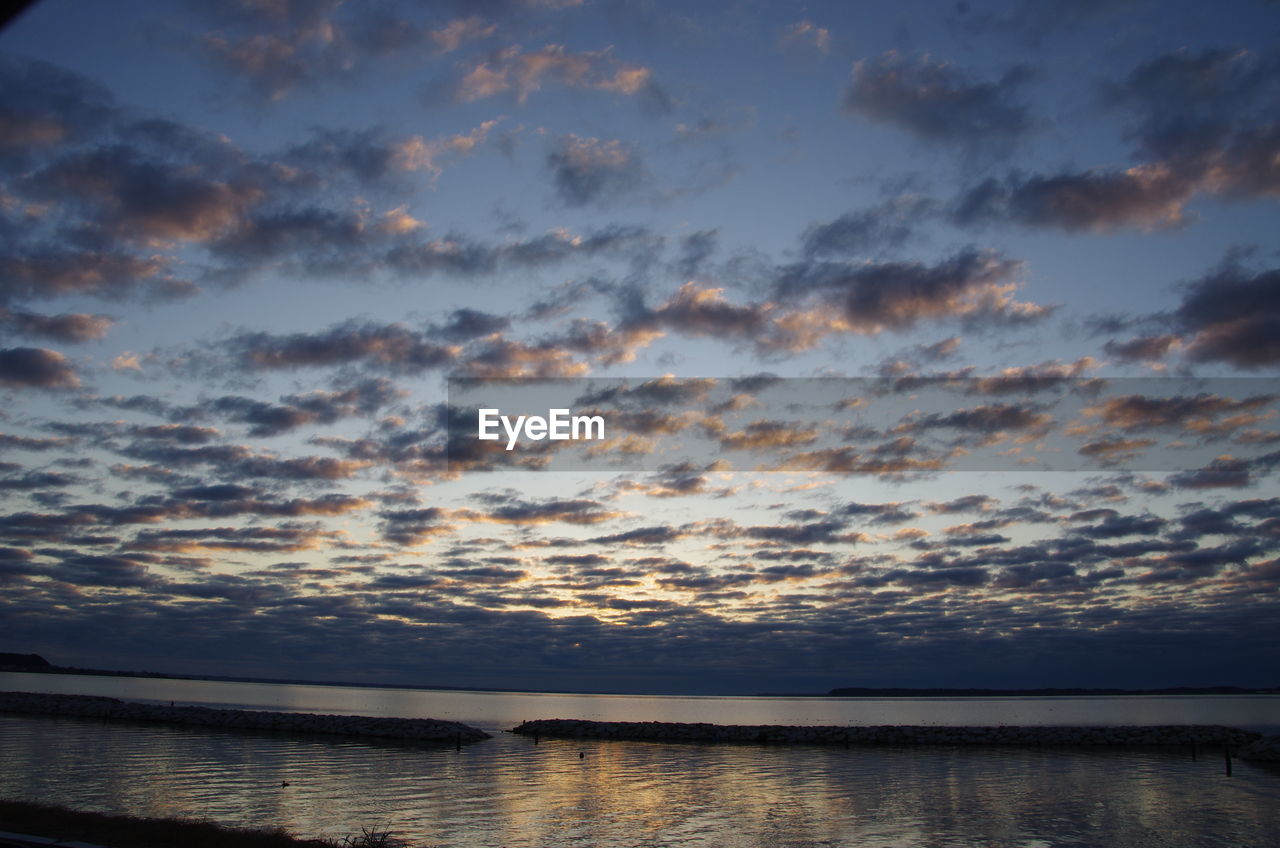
[{"x": 1226, "y": 755}]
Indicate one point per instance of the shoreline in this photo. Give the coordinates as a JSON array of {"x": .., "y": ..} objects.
[
  {"x": 113, "y": 709},
  {"x": 56, "y": 825},
  {"x": 1246, "y": 744}
]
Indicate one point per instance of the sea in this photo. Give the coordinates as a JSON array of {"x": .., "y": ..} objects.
[{"x": 511, "y": 792}]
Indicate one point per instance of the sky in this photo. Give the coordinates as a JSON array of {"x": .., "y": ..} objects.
[{"x": 937, "y": 344}]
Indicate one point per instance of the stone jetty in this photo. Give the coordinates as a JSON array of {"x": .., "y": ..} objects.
[
  {"x": 768, "y": 734},
  {"x": 89, "y": 706},
  {"x": 1266, "y": 748}
]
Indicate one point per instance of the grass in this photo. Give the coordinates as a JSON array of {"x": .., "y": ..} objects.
[{"x": 136, "y": 832}]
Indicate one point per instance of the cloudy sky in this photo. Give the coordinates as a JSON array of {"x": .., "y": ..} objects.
[{"x": 1019, "y": 259}]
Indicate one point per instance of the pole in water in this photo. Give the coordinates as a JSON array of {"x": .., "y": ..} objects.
[
  {"x": 1193, "y": 750},
  {"x": 1226, "y": 755}
]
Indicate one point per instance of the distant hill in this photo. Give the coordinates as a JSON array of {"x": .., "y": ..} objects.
[
  {"x": 24, "y": 662},
  {"x": 863, "y": 692}
]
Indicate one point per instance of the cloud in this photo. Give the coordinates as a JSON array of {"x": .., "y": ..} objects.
[
  {"x": 467, "y": 324},
  {"x": 278, "y": 48},
  {"x": 392, "y": 345},
  {"x": 1144, "y": 348},
  {"x": 939, "y": 102},
  {"x": 1187, "y": 104},
  {"x": 591, "y": 170},
  {"x": 806, "y": 34},
  {"x": 372, "y": 157},
  {"x": 880, "y": 228},
  {"x": 32, "y": 367},
  {"x": 42, "y": 105},
  {"x": 512, "y": 70},
  {"x": 1188, "y": 413},
  {"x": 69, "y": 328},
  {"x": 1146, "y": 196},
  {"x": 885, "y": 513},
  {"x": 580, "y": 511},
  {"x": 317, "y": 407},
  {"x": 989, "y": 423},
  {"x": 240, "y": 461},
  {"x": 32, "y": 271},
  {"x": 1225, "y": 472},
  {"x": 130, "y": 203},
  {"x": 1233, "y": 316},
  {"x": 874, "y": 297},
  {"x": 1203, "y": 123}
]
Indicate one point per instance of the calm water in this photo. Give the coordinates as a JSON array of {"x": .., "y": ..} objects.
[{"x": 509, "y": 792}]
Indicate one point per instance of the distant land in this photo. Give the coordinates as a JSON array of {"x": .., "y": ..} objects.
[
  {"x": 36, "y": 664},
  {"x": 864, "y": 692}
]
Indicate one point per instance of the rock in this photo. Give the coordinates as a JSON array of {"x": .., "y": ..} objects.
[
  {"x": 889, "y": 734},
  {"x": 1266, "y": 748},
  {"x": 90, "y": 706}
]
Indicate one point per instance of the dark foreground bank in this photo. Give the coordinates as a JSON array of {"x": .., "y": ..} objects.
[
  {"x": 92, "y": 706},
  {"x": 66, "y": 825},
  {"x": 1243, "y": 741}
]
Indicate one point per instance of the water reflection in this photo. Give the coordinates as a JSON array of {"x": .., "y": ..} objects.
[
  {"x": 503, "y": 710},
  {"x": 511, "y": 792}
]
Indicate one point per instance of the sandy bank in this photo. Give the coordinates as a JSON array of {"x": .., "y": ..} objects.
[{"x": 89, "y": 706}]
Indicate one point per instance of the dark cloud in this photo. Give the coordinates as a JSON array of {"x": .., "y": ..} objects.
[
  {"x": 33, "y": 480},
  {"x": 184, "y": 434},
  {"x": 318, "y": 407},
  {"x": 33, "y": 443},
  {"x": 517, "y": 511},
  {"x": 1188, "y": 104},
  {"x": 394, "y": 346},
  {"x": 967, "y": 503},
  {"x": 1191, "y": 413},
  {"x": 886, "y": 513},
  {"x": 987, "y": 420},
  {"x": 1224, "y": 473},
  {"x": 240, "y": 461},
  {"x": 43, "y": 105},
  {"x": 126, "y": 208},
  {"x": 972, "y": 285},
  {"x": 31, "y": 270},
  {"x": 69, "y": 328},
  {"x": 466, "y": 324},
  {"x": 1233, "y": 316},
  {"x": 1144, "y": 348},
  {"x": 1148, "y": 197},
  {"x": 695, "y": 251},
  {"x": 592, "y": 170},
  {"x": 1204, "y": 123},
  {"x": 31, "y": 367},
  {"x": 939, "y": 102},
  {"x": 1115, "y": 526},
  {"x": 873, "y": 231}
]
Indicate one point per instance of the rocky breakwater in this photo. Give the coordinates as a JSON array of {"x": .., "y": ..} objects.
[
  {"x": 768, "y": 734},
  {"x": 1266, "y": 748},
  {"x": 88, "y": 706}
]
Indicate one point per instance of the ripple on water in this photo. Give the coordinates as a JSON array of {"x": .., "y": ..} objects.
[{"x": 510, "y": 792}]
